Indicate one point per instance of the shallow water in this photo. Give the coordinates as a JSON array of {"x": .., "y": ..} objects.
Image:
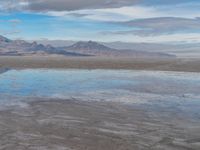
[
  {"x": 157, "y": 110},
  {"x": 106, "y": 85}
]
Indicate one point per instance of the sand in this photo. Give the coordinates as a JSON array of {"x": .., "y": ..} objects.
[{"x": 172, "y": 64}]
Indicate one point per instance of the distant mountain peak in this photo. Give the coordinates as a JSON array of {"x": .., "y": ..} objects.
[
  {"x": 4, "y": 39},
  {"x": 90, "y": 45},
  {"x": 89, "y": 48},
  {"x": 20, "y": 47}
]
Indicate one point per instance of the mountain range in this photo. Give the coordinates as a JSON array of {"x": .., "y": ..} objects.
[{"x": 23, "y": 48}]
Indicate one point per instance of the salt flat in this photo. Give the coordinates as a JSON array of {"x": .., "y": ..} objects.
[{"x": 69, "y": 109}]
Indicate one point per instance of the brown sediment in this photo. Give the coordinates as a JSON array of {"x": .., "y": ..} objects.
[{"x": 168, "y": 64}]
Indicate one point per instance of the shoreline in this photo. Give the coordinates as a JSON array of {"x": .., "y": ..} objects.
[{"x": 59, "y": 62}]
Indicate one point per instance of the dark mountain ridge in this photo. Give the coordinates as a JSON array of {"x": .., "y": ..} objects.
[
  {"x": 96, "y": 49},
  {"x": 20, "y": 47},
  {"x": 90, "y": 48}
]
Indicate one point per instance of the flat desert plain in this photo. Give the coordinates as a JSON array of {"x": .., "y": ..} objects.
[{"x": 168, "y": 64}]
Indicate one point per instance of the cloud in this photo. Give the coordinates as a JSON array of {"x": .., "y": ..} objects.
[
  {"x": 127, "y": 13},
  {"x": 122, "y": 13},
  {"x": 12, "y": 5},
  {"x": 167, "y": 2},
  {"x": 12, "y": 21},
  {"x": 109, "y": 14},
  {"x": 105, "y": 10},
  {"x": 71, "y": 5},
  {"x": 159, "y": 26},
  {"x": 150, "y": 19},
  {"x": 15, "y": 22},
  {"x": 11, "y": 27},
  {"x": 13, "y": 32},
  {"x": 165, "y": 38},
  {"x": 61, "y": 5}
]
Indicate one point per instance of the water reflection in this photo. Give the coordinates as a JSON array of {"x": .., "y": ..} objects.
[{"x": 109, "y": 85}]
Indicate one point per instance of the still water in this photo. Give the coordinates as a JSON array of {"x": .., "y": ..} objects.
[{"x": 124, "y": 86}]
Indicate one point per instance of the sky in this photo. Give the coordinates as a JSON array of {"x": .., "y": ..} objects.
[{"x": 153, "y": 21}]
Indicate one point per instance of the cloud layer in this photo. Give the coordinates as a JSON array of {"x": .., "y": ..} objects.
[
  {"x": 117, "y": 19},
  {"x": 164, "y": 25},
  {"x": 70, "y": 5},
  {"x": 62, "y": 5}
]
